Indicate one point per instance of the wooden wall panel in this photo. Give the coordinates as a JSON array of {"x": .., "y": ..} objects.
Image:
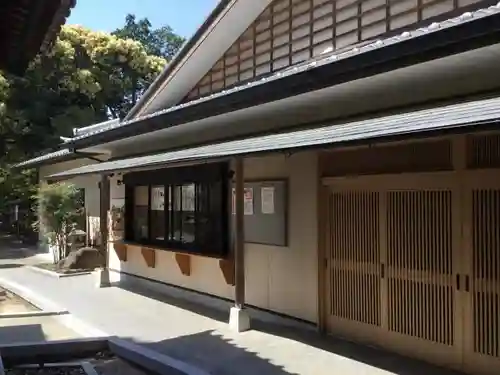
[
  {"x": 483, "y": 151},
  {"x": 400, "y": 157},
  {"x": 291, "y": 31}
]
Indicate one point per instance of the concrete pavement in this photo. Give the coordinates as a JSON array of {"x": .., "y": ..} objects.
[{"x": 202, "y": 338}]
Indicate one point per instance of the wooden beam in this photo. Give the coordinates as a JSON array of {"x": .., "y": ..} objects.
[
  {"x": 323, "y": 232},
  {"x": 239, "y": 249},
  {"x": 149, "y": 256},
  {"x": 184, "y": 263},
  {"x": 104, "y": 195},
  {"x": 103, "y": 217},
  {"x": 227, "y": 268},
  {"x": 120, "y": 250}
]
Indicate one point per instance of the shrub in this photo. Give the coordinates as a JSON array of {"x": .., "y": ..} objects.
[{"x": 60, "y": 206}]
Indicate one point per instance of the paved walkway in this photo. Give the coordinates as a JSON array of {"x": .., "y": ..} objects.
[
  {"x": 14, "y": 253},
  {"x": 204, "y": 340}
]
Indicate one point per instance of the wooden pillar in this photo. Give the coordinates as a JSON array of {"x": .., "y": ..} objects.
[
  {"x": 239, "y": 241},
  {"x": 103, "y": 214},
  {"x": 104, "y": 192},
  {"x": 239, "y": 320}
]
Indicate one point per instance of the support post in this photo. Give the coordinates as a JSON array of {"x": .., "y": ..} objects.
[
  {"x": 239, "y": 319},
  {"x": 104, "y": 191}
]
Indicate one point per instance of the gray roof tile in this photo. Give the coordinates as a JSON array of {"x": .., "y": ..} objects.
[
  {"x": 445, "y": 117},
  {"x": 64, "y": 154},
  {"x": 52, "y": 156}
]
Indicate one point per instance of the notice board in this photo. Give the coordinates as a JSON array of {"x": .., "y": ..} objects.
[{"x": 266, "y": 214}]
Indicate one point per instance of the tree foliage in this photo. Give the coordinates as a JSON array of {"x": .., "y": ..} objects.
[
  {"x": 62, "y": 207},
  {"x": 87, "y": 77},
  {"x": 161, "y": 42}
]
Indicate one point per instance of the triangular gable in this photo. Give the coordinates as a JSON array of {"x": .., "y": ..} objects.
[
  {"x": 199, "y": 55},
  {"x": 291, "y": 31}
]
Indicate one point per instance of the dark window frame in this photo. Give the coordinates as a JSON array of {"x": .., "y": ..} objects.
[{"x": 211, "y": 177}]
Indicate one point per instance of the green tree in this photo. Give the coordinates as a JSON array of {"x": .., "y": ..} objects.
[
  {"x": 158, "y": 42},
  {"x": 85, "y": 78},
  {"x": 61, "y": 207}
]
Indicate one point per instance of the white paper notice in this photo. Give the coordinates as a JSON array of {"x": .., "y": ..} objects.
[
  {"x": 248, "y": 201},
  {"x": 233, "y": 204},
  {"x": 158, "y": 198},
  {"x": 267, "y": 200}
]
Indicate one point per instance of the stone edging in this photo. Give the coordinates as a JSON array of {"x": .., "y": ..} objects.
[
  {"x": 152, "y": 360},
  {"x": 89, "y": 368},
  {"x": 56, "y": 274},
  {"x": 30, "y": 314}
]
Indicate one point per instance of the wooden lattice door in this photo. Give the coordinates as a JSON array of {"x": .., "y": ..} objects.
[
  {"x": 354, "y": 264},
  {"x": 422, "y": 248},
  {"x": 393, "y": 246},
  {"x": 481, "y": 271}
]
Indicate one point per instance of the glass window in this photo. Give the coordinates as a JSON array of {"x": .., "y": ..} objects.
[
  {"x": 141, "y": 198},
  {"x": 179, "y": 216},
  {"x": 184, "y": 217},
  {"x": 158, "y": 213},
  {"x": 209, "y": 230}
]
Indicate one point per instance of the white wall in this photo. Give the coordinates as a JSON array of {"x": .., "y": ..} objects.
[
  {"x": 284, "y": 279},
  {"x": 280, "y": 279}
]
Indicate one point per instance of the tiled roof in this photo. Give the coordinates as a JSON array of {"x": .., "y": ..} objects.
[
  {"x": 323, "y": 59},
  {"x": 57, "y": 22},
  {"x": 94, "y": 127},
  {"x": 52, "y": 156},
  {"x": 63, "y": 154},
  {"x": 433, "y": 119}
]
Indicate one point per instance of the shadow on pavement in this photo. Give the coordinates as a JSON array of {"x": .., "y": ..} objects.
[
  {"x": 184, "y": 304},
  {"x": 13, "y": 249},
  {"x": 10, "y": 265},
  {"x": 21, "y": 333},
  {"x": 216, "y": 355},
  {"x": 209, "y": 346}
]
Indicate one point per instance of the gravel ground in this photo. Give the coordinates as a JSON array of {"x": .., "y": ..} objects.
[
  {"x": 63, "y": 370},
  {"x": 11, "y": 303},
  {"x": 105, "y": 363},
  {"x": 117, "y": 366}
]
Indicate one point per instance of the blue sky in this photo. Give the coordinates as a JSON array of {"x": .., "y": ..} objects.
[{"x": 184, "y": 16}]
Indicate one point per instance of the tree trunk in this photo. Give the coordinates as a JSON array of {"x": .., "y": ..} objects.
[{"x": 54, "y": 254}]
